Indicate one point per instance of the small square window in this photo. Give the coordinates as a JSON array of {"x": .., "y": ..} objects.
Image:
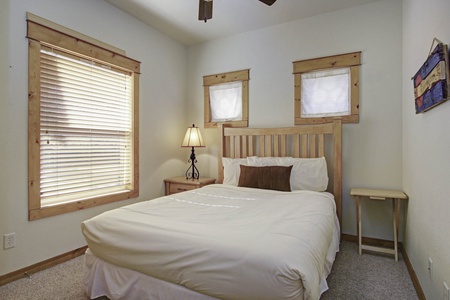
[
  {"x": 327, "y": 87},
  {"x": 326, "y": 93},
  {"x": 226, "y": 99}
]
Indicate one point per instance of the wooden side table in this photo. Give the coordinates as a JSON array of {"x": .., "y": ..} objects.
[
  {"x": 181, "y": 184},
  {"x": 380, "y": 195}
]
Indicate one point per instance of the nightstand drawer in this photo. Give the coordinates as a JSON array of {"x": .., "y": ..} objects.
[
  {"x": 177, "y": 188},
  {"x": 181, "y": 184}
]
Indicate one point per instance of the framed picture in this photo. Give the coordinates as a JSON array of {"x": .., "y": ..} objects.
[{"x": 432, "y": 81}]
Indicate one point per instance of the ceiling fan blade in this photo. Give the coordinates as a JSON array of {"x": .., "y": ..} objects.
[
  {"x": 205, "y": 10},
  {"x": 268, "y": 2}
]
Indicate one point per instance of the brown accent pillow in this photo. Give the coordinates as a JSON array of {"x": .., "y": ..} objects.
[{"x": 267, "y": 177}]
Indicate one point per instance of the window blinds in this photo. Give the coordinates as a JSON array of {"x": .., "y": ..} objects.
[{"x": 85, "y": 128}]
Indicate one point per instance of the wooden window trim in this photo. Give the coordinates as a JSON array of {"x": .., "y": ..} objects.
[
  {"x": 67, "y": 31},
  {"x": 61, "y": 37},
  {"x": 350, "y": 60},
  {"x": 242, "y": 75}
]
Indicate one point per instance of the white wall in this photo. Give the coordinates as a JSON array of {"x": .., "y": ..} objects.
[
  {"x": 426, "y": 149},
  {"x": 162, "y": 118},
  {"x": 372, "y": 148}
]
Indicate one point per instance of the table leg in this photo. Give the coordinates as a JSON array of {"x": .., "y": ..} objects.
[
  {"x": 395, "y": 213},
  {"x": 358, "y": 218}
]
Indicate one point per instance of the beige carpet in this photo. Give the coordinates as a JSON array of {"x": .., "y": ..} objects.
[
  {"x": 64, "y": 281},
  {"x": 370, "y": 276}
]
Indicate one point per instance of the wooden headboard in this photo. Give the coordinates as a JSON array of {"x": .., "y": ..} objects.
[{"x": 306, "y": 141}]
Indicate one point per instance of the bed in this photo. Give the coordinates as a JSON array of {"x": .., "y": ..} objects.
[{"x": 244, "y": 238}]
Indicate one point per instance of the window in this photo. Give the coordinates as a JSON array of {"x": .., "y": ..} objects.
[
  {"x": 327, "y": 87},
  {"x": 226, "y": 99},
  {"x": 83, "y": 117}
]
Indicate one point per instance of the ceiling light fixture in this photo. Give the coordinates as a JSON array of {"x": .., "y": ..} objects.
[{"x": 205, "y": 8}]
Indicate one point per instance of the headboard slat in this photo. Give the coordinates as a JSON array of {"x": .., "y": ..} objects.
[
  {"x": 304, "y": 151},
  {"x": 297, "y": 145},
  {"x": 268, "y": 145},
  {"x": 283, "y": 145},
  {"x": 232, "y": 146},
  {"x": 244, "y": 146},
  {"x": 250, "y": 145},
  {"x": 276, "y": 145},
  {"x": 262, "y": 146},
  {"x": 312, "y": 146},
  {"x": 238, "y": 146},
  {"x": 321, "y": 151}
]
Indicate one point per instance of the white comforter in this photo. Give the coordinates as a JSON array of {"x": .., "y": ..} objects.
[{"x": 223, "y": 241}]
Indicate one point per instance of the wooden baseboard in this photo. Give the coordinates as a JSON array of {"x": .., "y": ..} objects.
[
  {"x": 27, "y": 271},
  {"x": 412, "y": 273},
  {"x": 390, "y": 244}
]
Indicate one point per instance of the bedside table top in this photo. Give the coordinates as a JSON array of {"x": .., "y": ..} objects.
[
  {"x": 183, "y": 180},
  {"x": 379, "y": 194}
]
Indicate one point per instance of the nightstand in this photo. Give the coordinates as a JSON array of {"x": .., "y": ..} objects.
[
  {"x": 181, "y": 184},
  {"x": 379, "y": 195}
]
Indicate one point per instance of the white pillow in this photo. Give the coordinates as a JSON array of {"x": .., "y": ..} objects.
[
  {"x": 232, "y": 169},
  {"x": 307, "y": 173}
]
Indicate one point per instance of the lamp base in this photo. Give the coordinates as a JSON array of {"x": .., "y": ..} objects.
[{"x": 192, "y": 172}]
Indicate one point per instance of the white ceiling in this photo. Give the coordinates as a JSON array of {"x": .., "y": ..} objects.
[{"x": 179, "y": 18}]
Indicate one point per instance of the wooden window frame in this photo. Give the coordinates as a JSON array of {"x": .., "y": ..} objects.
[
  {"x": 349, "y": 60},
  {"x": 242, "y": 75},
  {"x": 43, "y": 32}
]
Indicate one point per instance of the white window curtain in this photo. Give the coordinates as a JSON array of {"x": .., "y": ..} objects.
[
  {"x": 326, "y": 93},
  {"x": 86, "y": 129},
  {"x": 226, "y": 101}
]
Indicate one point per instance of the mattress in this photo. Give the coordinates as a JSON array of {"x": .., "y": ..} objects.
[{"x": 225, "y": 242}]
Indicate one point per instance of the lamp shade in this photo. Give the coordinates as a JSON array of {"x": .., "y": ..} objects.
[{"x": 193, "y": 138}]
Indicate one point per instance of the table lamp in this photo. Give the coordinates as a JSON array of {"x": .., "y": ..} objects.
[{"x": 193, "y": 138}]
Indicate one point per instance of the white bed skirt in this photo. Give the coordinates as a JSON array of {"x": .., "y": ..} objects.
[{"x": 104, "y": 279}]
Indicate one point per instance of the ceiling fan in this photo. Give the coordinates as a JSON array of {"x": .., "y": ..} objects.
[{"x": 205, "y": 8}]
